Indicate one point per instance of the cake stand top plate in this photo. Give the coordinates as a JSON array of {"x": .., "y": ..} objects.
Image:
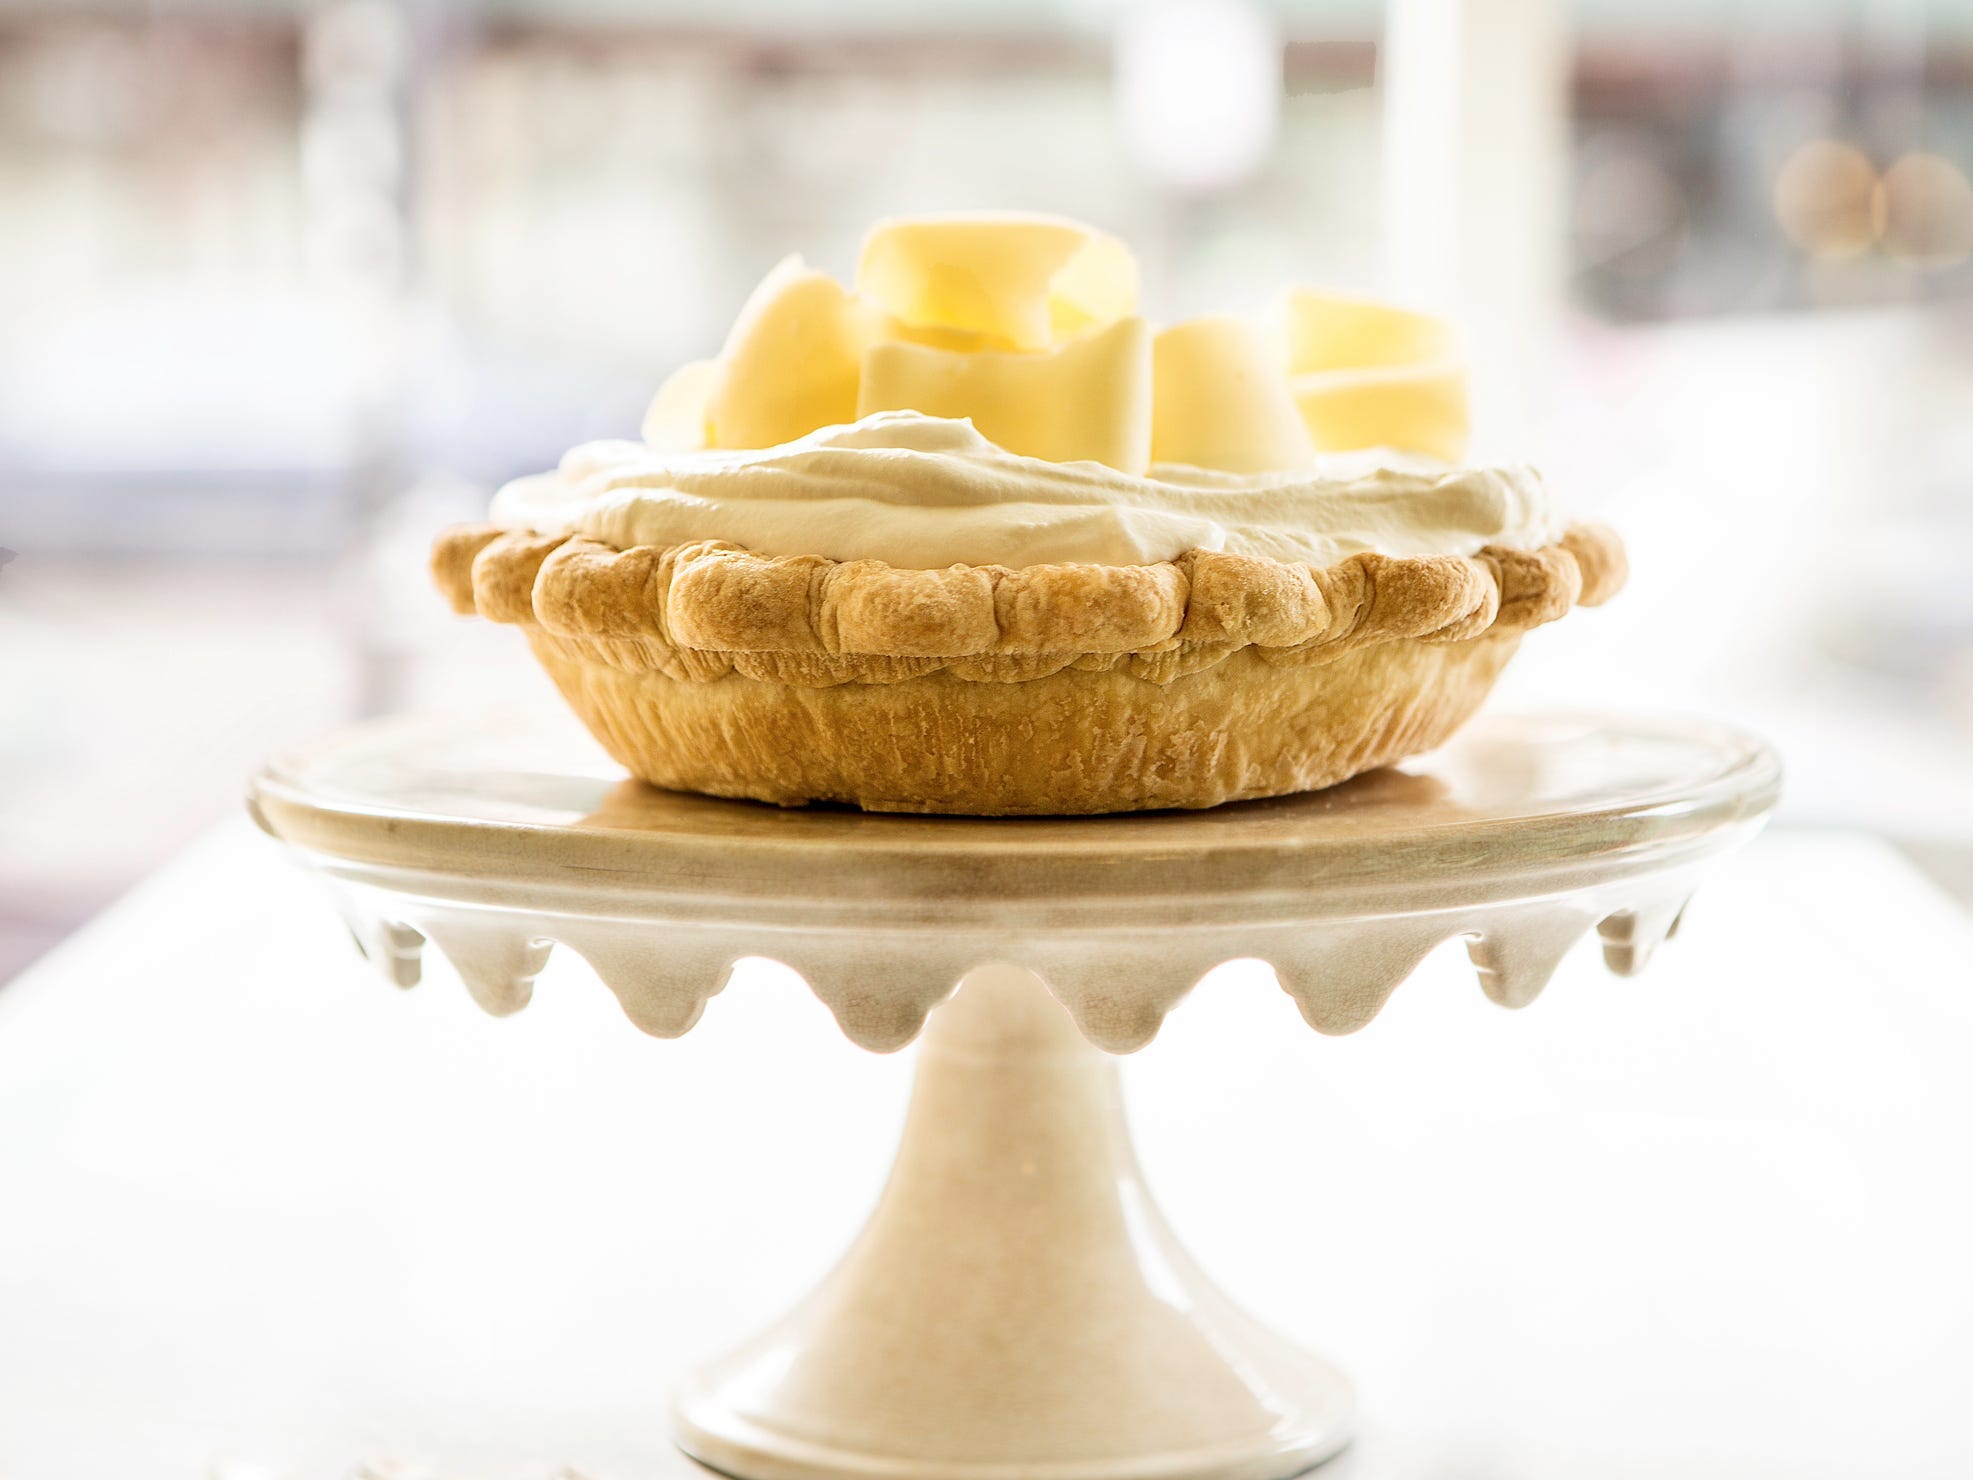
[
  {"x": 1509, "y": 803},
  {"x": 497, "y": 835}
]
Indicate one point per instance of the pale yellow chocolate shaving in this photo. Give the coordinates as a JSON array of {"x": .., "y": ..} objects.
[
  {"x": 792, "y": 361},
  {"x": 1219, "y": 400},
  {"x": 1020, "y": 282},
  {"x": 1370, "y": 375},
  {"x": 676, "y": 421},
  {"x": 1088, "y": 400},
  {"x": 1414, "y": 408},
  {"x": 1323, "y": 332}
]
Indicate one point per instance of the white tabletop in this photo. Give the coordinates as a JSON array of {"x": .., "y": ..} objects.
[{"x": 261, "y": 1215}]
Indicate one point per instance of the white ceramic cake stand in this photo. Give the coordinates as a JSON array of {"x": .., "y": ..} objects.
[{"x": 1016, "y": 1306}]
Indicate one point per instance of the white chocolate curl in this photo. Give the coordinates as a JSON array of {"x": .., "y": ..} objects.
[
  {"x": 1220, "y": 401},
  {"x": 1089, "y": 401},
  {"x": 1027, "y": 325},
  {"x": 1018, "y": 282}
]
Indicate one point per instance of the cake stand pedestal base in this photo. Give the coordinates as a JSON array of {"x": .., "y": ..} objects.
[{"x": 1016, "y": 1308}]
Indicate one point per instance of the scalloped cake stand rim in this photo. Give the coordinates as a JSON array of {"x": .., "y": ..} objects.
[{"x": 1016, "y": 1308}]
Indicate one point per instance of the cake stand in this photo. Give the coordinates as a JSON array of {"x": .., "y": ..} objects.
[{"x": 1016, "y": 1306}]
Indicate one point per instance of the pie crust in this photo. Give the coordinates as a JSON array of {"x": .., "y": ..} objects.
[{"x": 986, "y": 690}]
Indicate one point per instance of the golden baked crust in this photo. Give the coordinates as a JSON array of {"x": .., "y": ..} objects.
[
  {"x": 1055, "y": 689},
  {"x": 1073, "y": 741},
  {"x": 699, "y": 611}
]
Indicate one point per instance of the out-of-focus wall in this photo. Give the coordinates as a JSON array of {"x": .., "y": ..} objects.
[
  {"x": 285, "y": 285},
  {"x": 271, "y": 238}
]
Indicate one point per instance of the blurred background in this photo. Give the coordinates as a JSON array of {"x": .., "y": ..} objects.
[{"x": 285, "y": 285}]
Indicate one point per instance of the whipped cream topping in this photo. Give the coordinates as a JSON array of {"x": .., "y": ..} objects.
[{"x": 925, "y": 492}]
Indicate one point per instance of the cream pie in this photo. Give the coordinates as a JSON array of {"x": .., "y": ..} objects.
[{"x": 973, "y": 537}]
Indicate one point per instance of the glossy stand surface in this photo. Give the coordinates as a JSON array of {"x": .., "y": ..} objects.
[{"x": 1016, "y": 1306}]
